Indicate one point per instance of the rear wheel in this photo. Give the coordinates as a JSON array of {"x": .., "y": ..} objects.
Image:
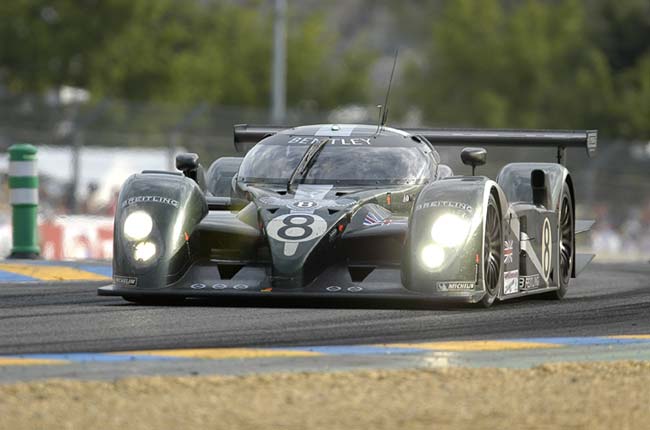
[
  {"x": 566, "y": 244},
  {"x": 492, "y": 252}
]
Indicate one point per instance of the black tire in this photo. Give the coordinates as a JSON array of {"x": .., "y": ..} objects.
[
  {"x": 566, "y": 245},
  {"x": 492, "y": 252}
]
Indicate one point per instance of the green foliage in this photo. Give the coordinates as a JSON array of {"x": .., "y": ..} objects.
[
  {"x": 172, "y": 51},
  {"x": 316, "y": 75},
  {"x": 533, "y": 64},
  {"x": 491, "y": 63},
  {"x": 634, "y": 108}
]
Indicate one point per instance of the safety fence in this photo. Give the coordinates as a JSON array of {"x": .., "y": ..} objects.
[{"x": 86, "y": 149}]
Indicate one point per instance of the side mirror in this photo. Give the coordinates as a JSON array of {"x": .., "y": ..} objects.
[
  {"x": 187, "y": 162},
  {"x": 473, "y": 157}
]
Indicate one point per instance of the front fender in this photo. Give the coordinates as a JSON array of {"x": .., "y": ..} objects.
[
  {"x": 176, "y": 205},
  {"x": 461, "y": 270}
]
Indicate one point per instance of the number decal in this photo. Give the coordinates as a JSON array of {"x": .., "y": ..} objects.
[
  {"x": 546, "y": 248},
  {"x": 296, "y": 227}
]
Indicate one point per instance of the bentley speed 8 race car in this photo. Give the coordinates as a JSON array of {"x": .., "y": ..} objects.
[{"x": 352, "y": 211}]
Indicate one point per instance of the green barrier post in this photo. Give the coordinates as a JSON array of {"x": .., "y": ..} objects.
[{"x": 23, "y": 182}]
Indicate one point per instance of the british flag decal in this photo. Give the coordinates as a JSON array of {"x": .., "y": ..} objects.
[
  {"x": 372, "y": 219},
  {"x": 507, "y": 251}
]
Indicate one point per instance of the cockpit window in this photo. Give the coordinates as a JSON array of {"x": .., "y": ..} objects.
[{"x": 361, "y": 160}]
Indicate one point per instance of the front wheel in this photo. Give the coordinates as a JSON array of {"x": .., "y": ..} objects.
[{"x": 492, "y": 252}]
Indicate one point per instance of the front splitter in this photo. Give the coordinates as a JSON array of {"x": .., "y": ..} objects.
[
  {"x": 203, "y": 281},
  {"x": 353, "y": 294}
]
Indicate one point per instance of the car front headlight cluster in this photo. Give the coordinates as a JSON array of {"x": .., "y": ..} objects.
[
  {"x": 138, "y": 226},
  {"x": 448, "y": 231},
  {"x": 144, "y": 251},
  {"x": 432, "y": 256}
]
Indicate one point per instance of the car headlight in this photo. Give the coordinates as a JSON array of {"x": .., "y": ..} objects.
[
  {"x": 144, "y": 251},
  {"x": 138, "y": 225},
  {"x": 450, "y": 230},
  {"x": 432, "y": 256}
]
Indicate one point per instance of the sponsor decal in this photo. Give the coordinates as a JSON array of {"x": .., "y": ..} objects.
[
  {"x": 529, "y": 282},
  {"x": 333, "y": 288},
  {"x": 296, "y": 227},
  {"x": 240, "y": 287},
  {"x": 511, "y": 282},
  {"x": 125, "y": 281},
  {"x": 197, "y": 286},
  {"x": 546, "y": 249},
  {"x": 317, "y": 203},
  {"x": 355, "y": 289},
  {"x": 219, "y": 286},
  {"x": 372, "y": 219},
  {"x": 406, "y": 199},
  {"x": 154, "y": 199},
  {"x": 455, "y": 285},
  {"x": 341, "y": 141},
  {"x": 507, "y": 251},
  {"x": 266, "y": 290},
  {"x": 444, "y": 204},
  {"x": 303, "y": 205}
]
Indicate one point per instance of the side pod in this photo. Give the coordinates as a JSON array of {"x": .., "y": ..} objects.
[
  {"x": 155, "y": 217},
  {"x": 516, "y": 180}
]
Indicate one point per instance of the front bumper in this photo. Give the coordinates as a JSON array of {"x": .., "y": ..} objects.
[{"x": 203, "y": 281}]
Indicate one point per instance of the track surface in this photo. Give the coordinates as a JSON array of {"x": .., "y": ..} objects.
[{"x": 49, "y": 318}]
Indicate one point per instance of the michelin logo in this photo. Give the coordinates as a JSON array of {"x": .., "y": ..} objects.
[{"x": 455, "y": 286}]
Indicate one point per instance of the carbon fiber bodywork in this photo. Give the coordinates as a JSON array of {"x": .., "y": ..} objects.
[{"x": 338, "y": 237}]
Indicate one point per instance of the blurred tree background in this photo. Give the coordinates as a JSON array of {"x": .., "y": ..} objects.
[
  {"x": 488, "y": 63},
  {"x": 172, "y": 51},
  {"x": 536, "y": 64}
]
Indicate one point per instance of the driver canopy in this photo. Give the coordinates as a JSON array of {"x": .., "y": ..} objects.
[{"x": 387, "y": 158}]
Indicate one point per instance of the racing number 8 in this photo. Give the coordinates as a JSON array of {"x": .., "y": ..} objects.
[{"x": 294, "y": 230}]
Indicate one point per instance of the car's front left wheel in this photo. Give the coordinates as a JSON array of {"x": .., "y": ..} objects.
[{"x": 492, "y": 252}]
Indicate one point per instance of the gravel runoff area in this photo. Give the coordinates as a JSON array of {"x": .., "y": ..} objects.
[{"x": 576, "y": 396}]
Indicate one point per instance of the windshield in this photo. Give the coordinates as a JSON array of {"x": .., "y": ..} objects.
[{"x": 337, "y": 164}]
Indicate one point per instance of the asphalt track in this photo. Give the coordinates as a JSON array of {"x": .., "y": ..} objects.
[{"x": 607, "y": 300}]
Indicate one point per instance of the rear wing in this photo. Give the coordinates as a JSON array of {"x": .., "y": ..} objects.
[{"x": 560, "y": 139}]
